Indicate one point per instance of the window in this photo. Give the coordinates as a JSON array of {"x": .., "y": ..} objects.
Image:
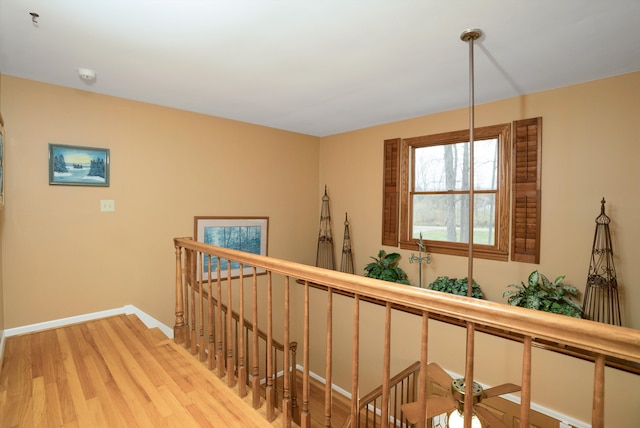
[{"x": 435, "y": 192}]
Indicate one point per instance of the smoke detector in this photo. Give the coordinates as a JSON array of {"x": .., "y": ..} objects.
[{"x": 86, "y": 74}]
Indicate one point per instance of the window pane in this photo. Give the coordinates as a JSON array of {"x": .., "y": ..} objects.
[
  {"x": 486, "y": 165},
  {"x": 442, "y": 168},
  {"x": 446, "y": 218},
  {"x": 484, "y": 219},
  {"x": 446, "y": 167}
]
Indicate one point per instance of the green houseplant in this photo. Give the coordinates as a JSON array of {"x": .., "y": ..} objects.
[
  {"x": 385, "y": 267},
  {"x": 541, "y": 294},
  {"x": 456, "y": 286}
]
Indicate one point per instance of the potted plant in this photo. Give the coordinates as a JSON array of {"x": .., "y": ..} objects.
[
  {"x": 385, "y": 267},
  {"x": 541, "y": 294},
  {"x": 456, "y": 286}
]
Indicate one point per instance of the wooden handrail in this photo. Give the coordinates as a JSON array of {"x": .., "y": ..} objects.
[
  {"x": 602, "y": 343},
  {"x": 614, "y": 341},
  {"x": 377, "y": 392}
]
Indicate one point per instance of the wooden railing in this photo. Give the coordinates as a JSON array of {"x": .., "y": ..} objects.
[
  {"x": 402, "y": 389},
  {"x": 600, "y": 341},
  {"x": 217, "y": 334}
]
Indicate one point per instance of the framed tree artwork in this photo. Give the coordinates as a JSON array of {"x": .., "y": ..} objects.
[
  {"x": 248, "y": 234},
  {"x": 78, "y": 165}
]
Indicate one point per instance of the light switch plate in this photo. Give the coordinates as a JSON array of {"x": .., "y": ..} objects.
[{"x": 107, "y": 205}]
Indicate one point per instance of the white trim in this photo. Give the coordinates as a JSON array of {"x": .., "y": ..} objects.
[
  {"x": 323, "y": 381},
  {"x": 47, "y": 325},
  {"x": 2, "y": 337},
  {"x": 147, "y": 319}
]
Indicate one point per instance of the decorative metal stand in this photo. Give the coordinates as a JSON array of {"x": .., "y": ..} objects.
[
  {"x": 420, "y": 259},
  {"x": 346, "y": 264},
  {"x": 601, "y": 302},
  {"x": 324, "y": 256}
]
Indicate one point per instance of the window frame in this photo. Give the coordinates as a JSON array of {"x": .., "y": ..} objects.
[{"x": 500, "y": 249}]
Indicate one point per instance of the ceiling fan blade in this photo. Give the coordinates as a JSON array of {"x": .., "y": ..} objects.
[
  {"x": 435, "y": 406},
  {"x": 439, "y": 405},
  {"x": 412, "y": 412},
  {"x": 489, "y": 417},
  {"x": 505, "y": 388},
  {"x": 437, "y": 373}
]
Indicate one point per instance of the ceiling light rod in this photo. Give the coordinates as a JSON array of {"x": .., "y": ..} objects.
[{"x": 470, "y": 36}]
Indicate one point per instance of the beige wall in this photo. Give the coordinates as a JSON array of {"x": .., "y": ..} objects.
[
  {"x": 63, "y": 257},
  {"x": 1, "y": 240},
  {"x": 590, "y": 150}
]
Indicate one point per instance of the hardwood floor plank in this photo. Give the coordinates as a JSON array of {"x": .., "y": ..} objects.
[
  {"x": 110, "y": 373},
  {"x": 118, "y": 360},
  {"x": 52, "y": 404},
  {"x": 17, "y": 361},
  {"x": 74, "y": 385},
  {"x": 39, "y": 402}
]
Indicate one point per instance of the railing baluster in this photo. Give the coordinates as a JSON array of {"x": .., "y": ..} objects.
[
  {"x": 201, "y": 321},
  {"x": 293, "y": 376},
  {"x": 231, "y": 377},
  {"x": 424, "y": 361},
  {"x": 269, "y": 393},
  {"x": 192, "y": 303},
  {"x": 305, "y": 416},
  {"x": 255, "y": 369},
  {"x": 242, "y": 369},
  {"x": 525, "y": 387},
  {"x": 386, "y": 366},
  {"x": 211, "y": 310},
  {"x": 597, "y": 413},
  {"x": 468, "y": 375},
  {"x": 328, "y": 396},
  {"x": 219, "y": 348},
  {"x": 179, "y": 328},
  {"x": 286, "y": 410},
  {"x": 355, "y": 360}
]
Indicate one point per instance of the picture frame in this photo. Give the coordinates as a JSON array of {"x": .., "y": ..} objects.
[
  {"x": 250, "y": 234},
  {"x": 78, "y": 165}
]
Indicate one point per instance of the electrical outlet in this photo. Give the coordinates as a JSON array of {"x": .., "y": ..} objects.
[{"x": 107, "y": 205}]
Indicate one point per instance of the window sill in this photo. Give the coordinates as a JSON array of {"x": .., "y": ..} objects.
[{"x": 462, "y": 250}]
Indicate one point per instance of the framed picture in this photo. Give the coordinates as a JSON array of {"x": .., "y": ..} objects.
[
  {"x": 78, "y": 166},
  {"x": 248, "y": 234}
]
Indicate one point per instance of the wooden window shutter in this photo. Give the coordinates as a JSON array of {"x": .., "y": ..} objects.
[
  {"x": 526, "y": 200},
  {"x": 391, "y": 192}
]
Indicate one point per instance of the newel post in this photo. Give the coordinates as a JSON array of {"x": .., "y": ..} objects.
[{"x": 180, "y": 328}]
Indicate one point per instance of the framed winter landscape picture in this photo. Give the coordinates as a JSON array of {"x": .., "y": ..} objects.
[
  {"x": 248, "y": 234},
  {"x": 78, "y": 166}
]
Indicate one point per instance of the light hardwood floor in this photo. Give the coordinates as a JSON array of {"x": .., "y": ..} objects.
[{"x": 113, "y": 372}]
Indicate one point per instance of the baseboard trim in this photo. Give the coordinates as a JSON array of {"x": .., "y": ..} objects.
[{"x": 147, "y": 319}]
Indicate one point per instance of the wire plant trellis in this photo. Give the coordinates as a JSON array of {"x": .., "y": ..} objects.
[
  {"x": 324, "y": 256},
  {"x": 601, "y": 300},
  {"x": 346, "y": 264}
]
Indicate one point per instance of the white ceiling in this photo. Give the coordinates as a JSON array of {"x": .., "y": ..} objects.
[{"x": 317, "y": 67}]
